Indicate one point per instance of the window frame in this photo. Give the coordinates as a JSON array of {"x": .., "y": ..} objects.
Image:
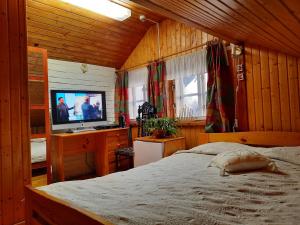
[{"x": 134, "y": 101}]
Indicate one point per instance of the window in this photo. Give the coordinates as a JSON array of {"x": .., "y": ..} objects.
[
  {"x": 189, "y": 73},
  {"x": 137, "y": 96},
  {"x": 191, "y": 96},
  {"x": 137, "y": 85}
]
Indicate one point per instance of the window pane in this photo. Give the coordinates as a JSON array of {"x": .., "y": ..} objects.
[
  {"x": 131, "y": 112},
  {"x": 130, "y": 96},
  {"x": 191, "y": 106},
  {"x": 190, "y": 85},
  {"x": 139, "y": 93}
]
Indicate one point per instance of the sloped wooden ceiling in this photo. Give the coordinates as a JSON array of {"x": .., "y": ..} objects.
[
  {"x": 74, "y": 34},
  {"x": 270, "y": 23}
]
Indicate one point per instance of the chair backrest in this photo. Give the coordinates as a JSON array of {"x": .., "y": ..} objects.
[{"x": 145, "y": 112}]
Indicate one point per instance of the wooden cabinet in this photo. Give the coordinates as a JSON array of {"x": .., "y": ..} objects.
[
  {"x": 39, "y": 101},
  {"x": 38, "y": 92},
  {"x": 149, "y": 149},
  {"x": 102, "y": 144}
]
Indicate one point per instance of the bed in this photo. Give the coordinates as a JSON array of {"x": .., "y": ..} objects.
[
  {"x": 179, "y": 189},
  {"x": 38, "y": 153}
]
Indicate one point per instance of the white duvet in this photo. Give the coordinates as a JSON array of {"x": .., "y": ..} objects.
[{"x": 181, "y": 189}]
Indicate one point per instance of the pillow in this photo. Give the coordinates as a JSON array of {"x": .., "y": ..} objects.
[
  {"x": 287, "y": 154},
  {"x": 215, "y": 148},
  {"x": 241, "y": 160}
]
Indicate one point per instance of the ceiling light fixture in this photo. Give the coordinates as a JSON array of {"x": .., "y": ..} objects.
[{"x": 103, "y": 7}]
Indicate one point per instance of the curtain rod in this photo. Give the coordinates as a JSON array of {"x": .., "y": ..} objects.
[{"x": 165, "y": 57}]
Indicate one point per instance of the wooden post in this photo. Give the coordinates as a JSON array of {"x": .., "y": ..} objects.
[{"x": 14, "y": 127}]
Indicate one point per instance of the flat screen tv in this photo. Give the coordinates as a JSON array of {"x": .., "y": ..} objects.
[{"x": 74, "y": 108}]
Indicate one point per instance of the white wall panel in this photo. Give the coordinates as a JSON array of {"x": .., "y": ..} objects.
[{"x": 68, "y": 75}]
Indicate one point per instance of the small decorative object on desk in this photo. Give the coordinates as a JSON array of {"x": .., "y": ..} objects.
[{"x": 161, "y": 127}]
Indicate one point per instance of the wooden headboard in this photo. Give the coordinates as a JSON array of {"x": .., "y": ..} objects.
[{"x": 258, "y": 138}]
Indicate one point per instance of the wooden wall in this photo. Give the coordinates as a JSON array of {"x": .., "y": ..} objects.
[
  {"x": 174, "y": 38},
  {"x": 273, "y": 79},
  {"x": 14, "y": 127},
  {"x": 273, "y": 90},
  {"x": 189, "y": 130}
]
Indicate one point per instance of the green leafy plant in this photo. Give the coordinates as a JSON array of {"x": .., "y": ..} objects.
[{"x": 161, "y": 127}]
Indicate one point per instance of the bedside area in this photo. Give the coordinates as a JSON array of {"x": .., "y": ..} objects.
[{"x": 150, "y": 149}]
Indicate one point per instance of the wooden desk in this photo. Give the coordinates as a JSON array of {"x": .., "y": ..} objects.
[
  {"x": 149, "y": 149},
  {"x": 102, "y": 142}
]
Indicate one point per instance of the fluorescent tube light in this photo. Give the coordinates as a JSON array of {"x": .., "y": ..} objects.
[{"x": 103, "y": 7}]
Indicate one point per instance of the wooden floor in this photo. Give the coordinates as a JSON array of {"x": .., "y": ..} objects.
[{"x": 40, "y": 180}]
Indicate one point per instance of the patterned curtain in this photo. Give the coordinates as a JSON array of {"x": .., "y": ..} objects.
[
  {"x": 156, "y": 87},
  {"x": 220, "y": 92},
  {"x": 121, "y": 96}
]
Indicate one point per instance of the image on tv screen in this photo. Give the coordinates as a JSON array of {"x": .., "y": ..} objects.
[{"x": 78, "y": 107}]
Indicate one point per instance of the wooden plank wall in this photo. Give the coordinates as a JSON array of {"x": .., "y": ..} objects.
[
  {"x": 191, "y": 134},
  {"x": 189, "y": 130},
  {"x": 68, "y": 75},
  {"x": 174, "y": 38},
  {"x": 14, "y": 116},
  {"x": 273, "y": 79},
  {"x": 273, "y": 90}
]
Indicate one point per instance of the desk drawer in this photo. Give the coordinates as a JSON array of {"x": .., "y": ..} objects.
[
  {"x": 112, "y": 146},
  {"x": 118, "y": 133},
  {"x": 117, "y": 139},
  {"x": 83, "y": 143}
]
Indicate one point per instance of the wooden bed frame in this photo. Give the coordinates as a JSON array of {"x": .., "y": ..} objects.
[{"x": 43, "y": 209}]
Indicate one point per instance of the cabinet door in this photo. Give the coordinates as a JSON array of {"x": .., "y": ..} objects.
[{"x": 147, "y": 152}]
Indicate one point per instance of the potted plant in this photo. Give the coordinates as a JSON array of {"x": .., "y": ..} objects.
[{"x": 161, "y": 127}]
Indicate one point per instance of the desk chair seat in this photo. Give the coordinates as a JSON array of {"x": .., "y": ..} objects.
[{"x": 125, "y": 153}]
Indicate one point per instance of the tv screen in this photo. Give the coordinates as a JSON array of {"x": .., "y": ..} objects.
[{"x": 77, "y": 106}]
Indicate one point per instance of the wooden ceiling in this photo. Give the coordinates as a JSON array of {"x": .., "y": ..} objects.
[
  {"x": 74, "y": 34},
  {"x": 269, "y": 23}
]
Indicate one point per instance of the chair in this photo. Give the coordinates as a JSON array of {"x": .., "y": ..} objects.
[
  {"x": 145, "y": 112},
  {"x": 125, "y": 153}
]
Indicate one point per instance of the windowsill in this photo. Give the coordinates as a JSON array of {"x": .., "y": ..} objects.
[
  {"x": 191, "y": 122},
  {"x": 180, "y": 123}
]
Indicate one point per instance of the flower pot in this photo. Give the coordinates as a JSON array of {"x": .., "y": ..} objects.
[{"x": 160, "y": 134}]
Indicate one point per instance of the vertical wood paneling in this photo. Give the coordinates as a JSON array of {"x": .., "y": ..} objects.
[
  {"x": 266, "y": 91},
  {"x": 272, "y": 78},
  {"x": 273, "y": 89},
  {"x": 293, "y": 92},
  {"x": 191, "y": 133},
  {"x": 284, "y": 93},
  {"x": 174, "y": 37},
  {"x": 14, "y": 127},
  {"x": 257, "y": 89},
  {"x": 250, "y": 89}
]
